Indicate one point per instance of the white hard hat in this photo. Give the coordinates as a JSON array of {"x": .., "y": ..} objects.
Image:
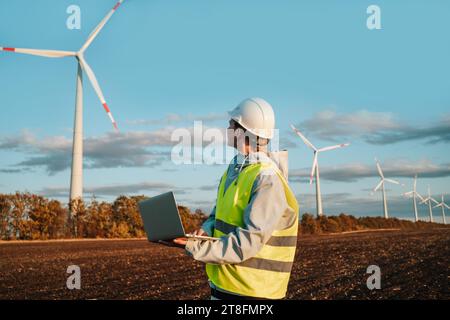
[{"x": 255, "y": 115}]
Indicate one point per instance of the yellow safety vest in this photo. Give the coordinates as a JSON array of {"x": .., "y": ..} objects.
[{"x": 265, "y": 275}]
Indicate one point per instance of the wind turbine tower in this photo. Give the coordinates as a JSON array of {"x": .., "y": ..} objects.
[
  {"x": 381, "y": 184},
  {"x": 315, "y": 166},
  {"x": 443, "y": 205},
  {"x": 414, "y": 195},
  {"x": 76, "y": 177},
  {"x": 428, "y": 200}
]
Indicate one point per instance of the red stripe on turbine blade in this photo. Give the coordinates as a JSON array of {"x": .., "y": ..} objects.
[
  {"x": 116, "y": 6},
  {"x": 106, "y": 107},
  {"x": 9, "y": 49},
  {"x": 115, "y": 126}
]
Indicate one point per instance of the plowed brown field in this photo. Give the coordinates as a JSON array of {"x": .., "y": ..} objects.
[{"x": 414, "y": 264}]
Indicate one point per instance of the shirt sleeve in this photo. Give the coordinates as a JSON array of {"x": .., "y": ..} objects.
[
  {"x": 208, "y": 225},
  {"x": 266, "y": 207}
]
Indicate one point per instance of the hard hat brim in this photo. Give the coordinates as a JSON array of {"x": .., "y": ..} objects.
[{"x": 251, "y": 130}]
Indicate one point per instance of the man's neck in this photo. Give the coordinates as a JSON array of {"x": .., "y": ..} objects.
[{"x": 248, "y": 150}]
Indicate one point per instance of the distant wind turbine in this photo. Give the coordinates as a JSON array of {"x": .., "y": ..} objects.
[
  {"x": 428, "y": 201},
  {"x": 76, "y": 178},
  {"x": 414, "y": 195},
  {"x": 443, "y": 205},
  {"x": 315, "y": 166},
  {"x": 381, "y": 184}
]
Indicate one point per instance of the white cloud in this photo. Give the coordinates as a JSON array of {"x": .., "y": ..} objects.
[
  {"x": 112, "y": 190},
  {"x": 393, "y": 168},
  {"x": 110, "y": 150},
  {"x": 373, "y": 127}
]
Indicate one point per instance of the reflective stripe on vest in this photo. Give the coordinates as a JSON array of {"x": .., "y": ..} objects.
[{"x": 265, "y": 275}]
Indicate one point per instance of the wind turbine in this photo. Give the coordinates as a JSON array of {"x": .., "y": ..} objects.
[
  {"x": 381, "y": 184},
  {"x": 428, "y": 201},
  {"x": 315, "y": 166},
  {"x": 76, "y": 178},
  {"x": 414, "y": 195},
  {"x": 443, "y": 205}
]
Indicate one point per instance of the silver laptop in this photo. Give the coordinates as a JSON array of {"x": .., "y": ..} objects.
[{"x": 162, "y": 220}]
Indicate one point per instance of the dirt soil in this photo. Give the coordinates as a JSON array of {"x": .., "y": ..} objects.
[{"x": 414, "y": 264}]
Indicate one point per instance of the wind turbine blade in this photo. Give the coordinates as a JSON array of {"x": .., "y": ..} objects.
[
  {"x": 97, "y": 89},
  {"x": 313, "y": 169},
  {"x": 378, "y": 186},
  {"x": 446, "y": 206},
  {"x": 100, "y": 26},
  {"x": 42, "y": 53},
  {"x": 415, "y": 182},
  {"x": 419, "y": 196},
  {"x": 425, "y": 200},
  {"x": 438, "y": 205},
  {"x": 407, "y": 194},
  {"x": 433, "y": 200},
  {"x": 392, "y": 181},
  {"x": 379, "y": 169},
  {"x": 334, "y": 147},
  {"x": 306, "y": 141}
]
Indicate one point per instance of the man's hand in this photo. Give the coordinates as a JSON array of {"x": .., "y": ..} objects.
[
  {"x": 182, "y": 241},
  {"x": 170, "y": 243},
  {"x": 200, "y": 232}
]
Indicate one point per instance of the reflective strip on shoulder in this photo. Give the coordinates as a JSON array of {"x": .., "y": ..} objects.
[
  {"x": 266, "y": 264},
  {"x": 224, "y": 227}
]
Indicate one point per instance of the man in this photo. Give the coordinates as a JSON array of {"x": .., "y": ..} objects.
[{"x": 256, "y": 215}]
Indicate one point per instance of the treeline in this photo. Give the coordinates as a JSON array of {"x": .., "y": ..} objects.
[
  {"x": 343, "y": 223},
  {"x": 25, "y": 216}
]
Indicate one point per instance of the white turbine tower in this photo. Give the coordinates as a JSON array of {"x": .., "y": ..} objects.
[
  {"x": 414, "y": 195},
  {"x": 76, "y": 178},
  {"x": 315, "y": 166},
  {"x": 428, "y": 200},
  {"x": 443, "y": 205},
  {"x": 381, "y": 184}
]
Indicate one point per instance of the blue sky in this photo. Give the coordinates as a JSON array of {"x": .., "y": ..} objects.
[{"x": 163, "y": 64}]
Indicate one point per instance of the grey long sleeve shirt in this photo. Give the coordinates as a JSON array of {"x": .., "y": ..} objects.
[{"x": 267, "y": 210}]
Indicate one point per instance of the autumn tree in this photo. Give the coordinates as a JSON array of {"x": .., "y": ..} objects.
[
  {"x": 78, "y": 218},
  {"x": 5, "y": 209},
  {"x": 21, "y": 225},
  {"x": 58, "y": 222},
  {"x": 30, "y": 216},
  {"x": 308, "y": 225},
  {"x": 191, "y": 221},
  {"x": 39, "y": 218},
  {"x": 99, "y": 219},
  {"x": 126, "y": 217}
]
